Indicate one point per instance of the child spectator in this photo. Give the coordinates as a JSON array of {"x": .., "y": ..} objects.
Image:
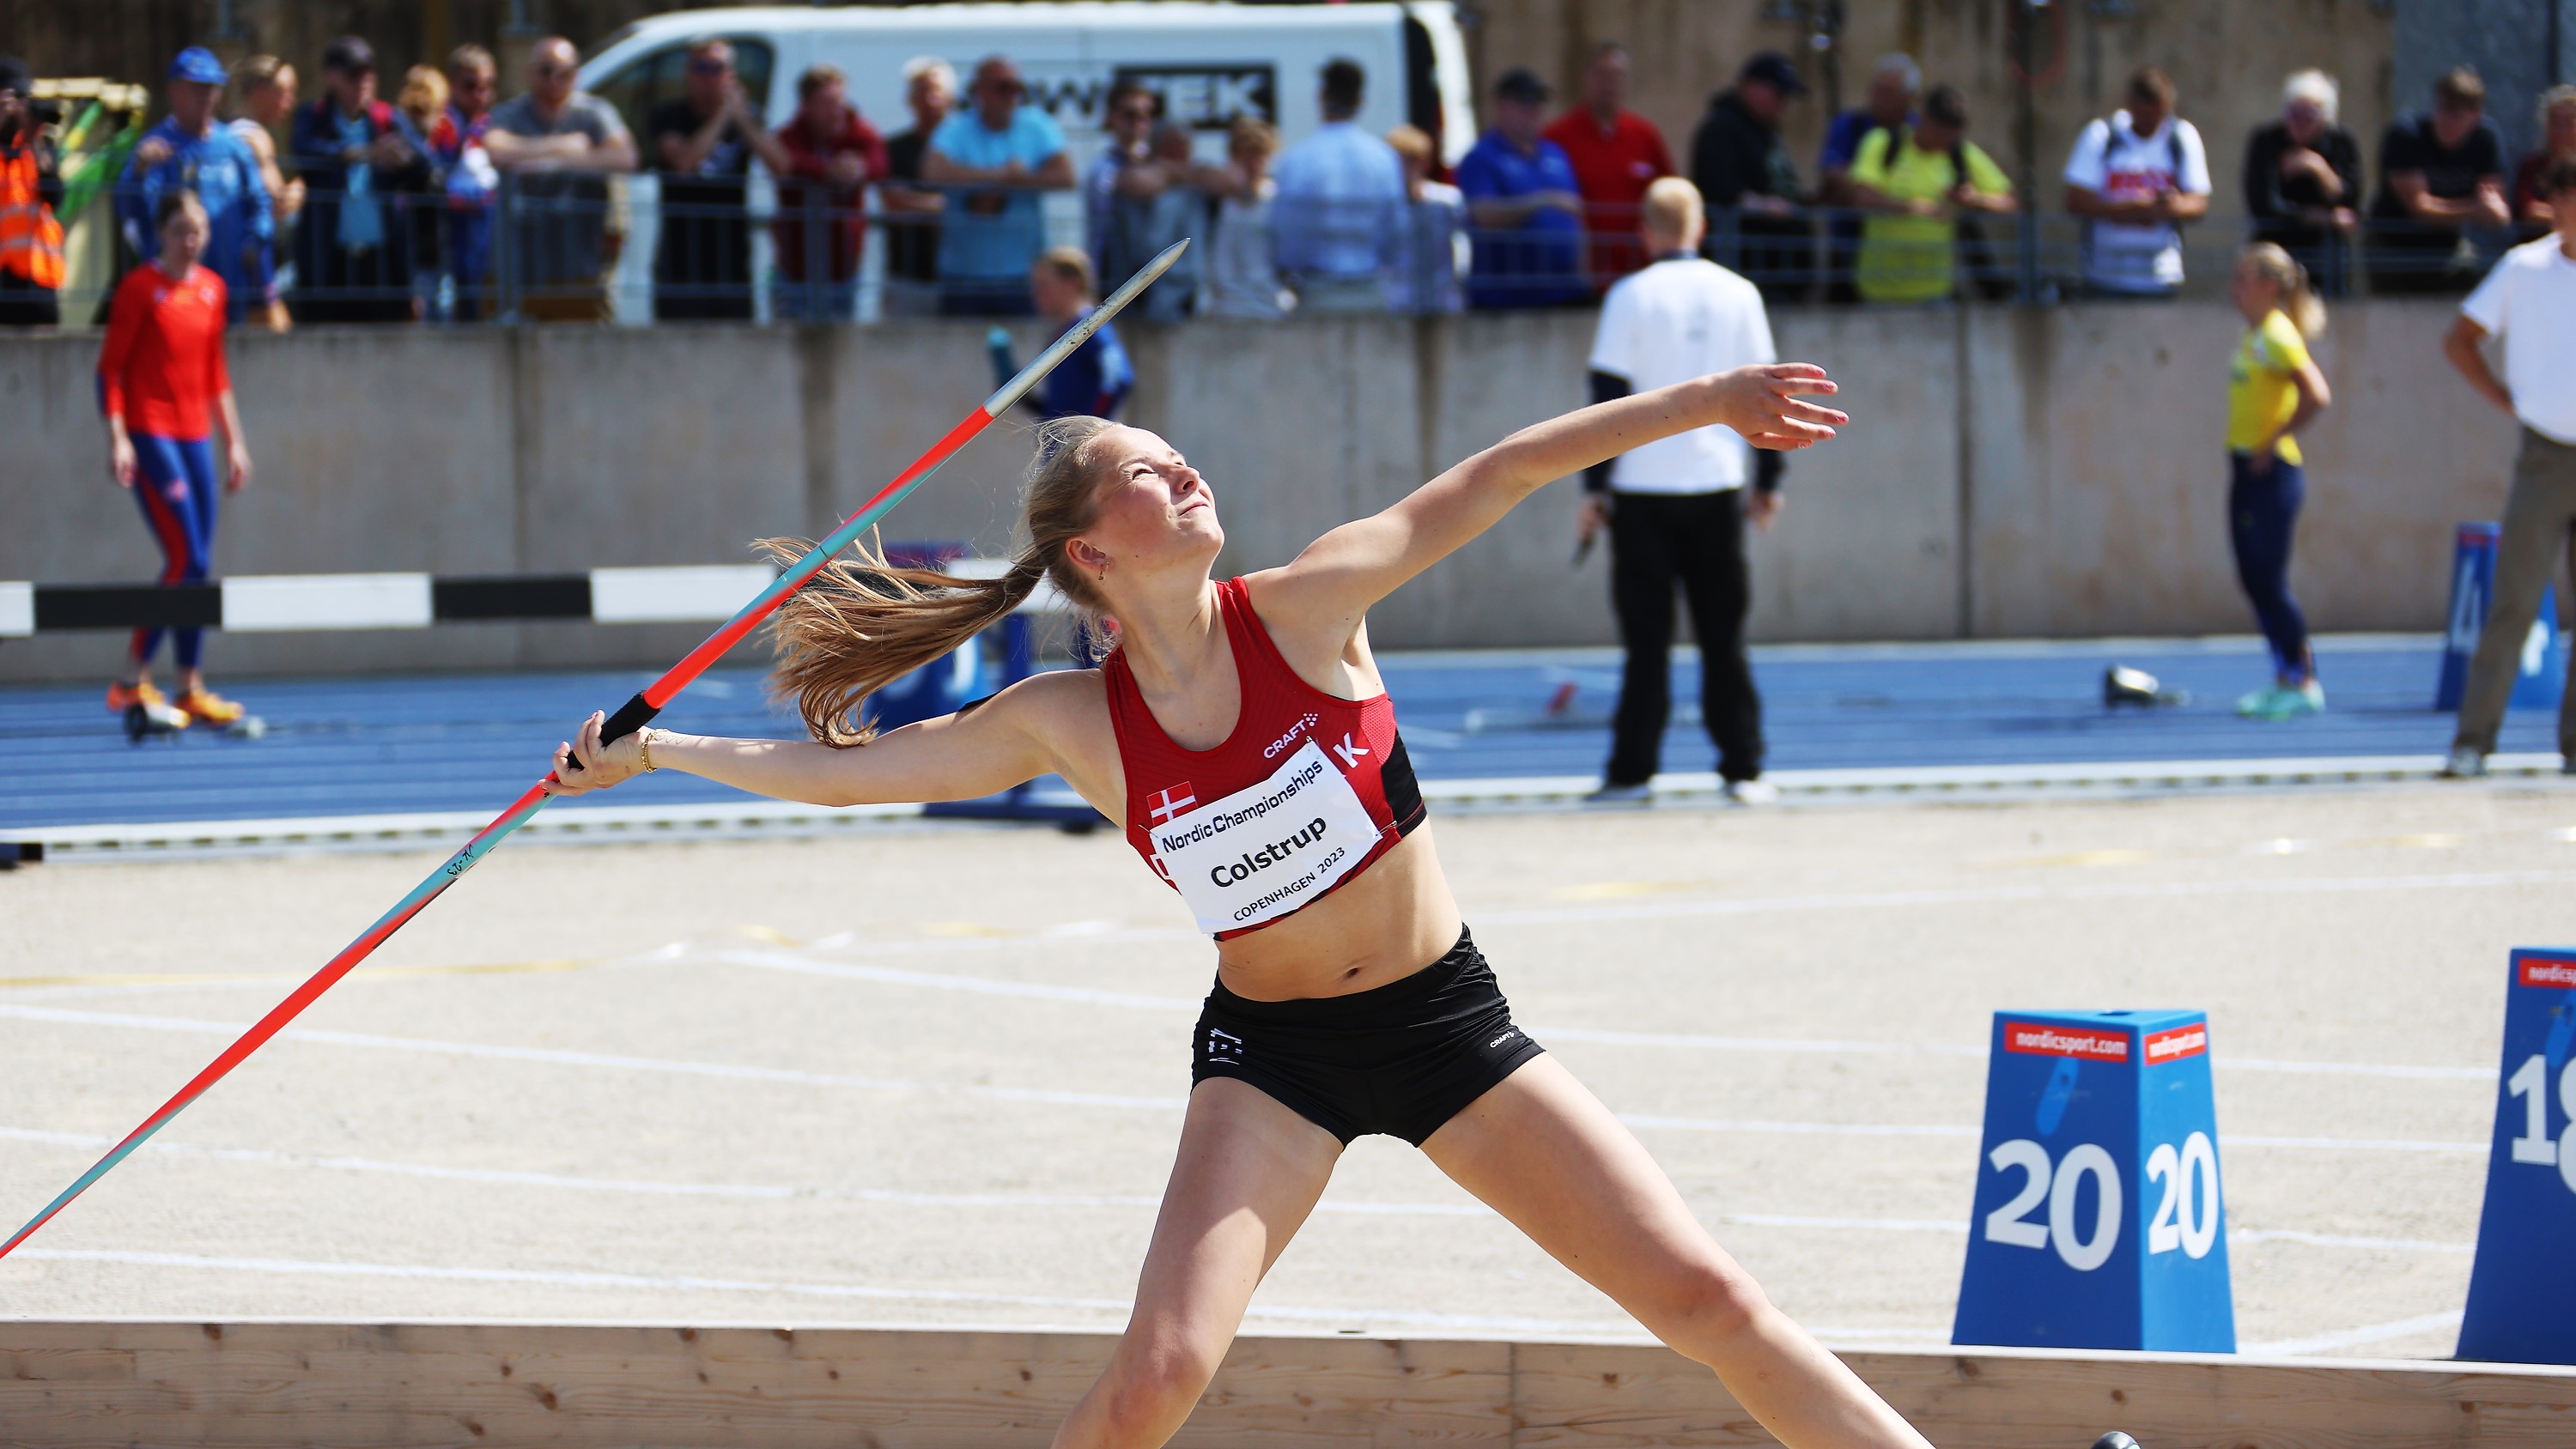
[
  {"x": 1918, "y": 181},
  {"x": 163, "y": 384},
  {"x": 1435, "y": 215},
  {"x": 418, "y": 106},
  {"x": 2441, "y": 181},
  {"x": 832, "y": 155},
  {"x": 1523, "y": 206},
  {"x": 467, "y": 175},
  {"x": 1243, "y": 261},
  {"x": 2303, "y": 178},
  {"x": 1616, "y": 155},
  {"x": 2135, "y": 178}
]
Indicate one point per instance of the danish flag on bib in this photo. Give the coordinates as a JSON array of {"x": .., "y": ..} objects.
[{"x": 1336, "y": 790}]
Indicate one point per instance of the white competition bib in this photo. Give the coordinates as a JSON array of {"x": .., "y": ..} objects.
[{"x": 1262, "y": 852}]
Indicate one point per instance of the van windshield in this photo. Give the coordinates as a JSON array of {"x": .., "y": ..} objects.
[{"x": 662, "y": 75}]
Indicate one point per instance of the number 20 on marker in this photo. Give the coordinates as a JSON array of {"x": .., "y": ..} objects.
[{"x": 2187, "y": 1212}]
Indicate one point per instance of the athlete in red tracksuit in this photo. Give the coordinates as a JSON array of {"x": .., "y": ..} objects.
[{"x": 161, "y": 381}]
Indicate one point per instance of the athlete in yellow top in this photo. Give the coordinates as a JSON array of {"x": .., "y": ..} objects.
[{"x": 2273, "y": 389}]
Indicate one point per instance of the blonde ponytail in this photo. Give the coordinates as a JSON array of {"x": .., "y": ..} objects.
[
  {"x": 2299, "y": 300},
  {"x": 862, "y": 623}
]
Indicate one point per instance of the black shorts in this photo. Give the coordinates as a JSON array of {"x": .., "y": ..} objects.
[{"x": 1401, "y": 1059}]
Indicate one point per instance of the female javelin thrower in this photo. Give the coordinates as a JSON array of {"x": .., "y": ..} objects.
[{"x": 1242, "y": 736}]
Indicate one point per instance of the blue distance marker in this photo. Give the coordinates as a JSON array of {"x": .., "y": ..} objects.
[
  {"x": 2541, "y": 670},
  {"x": 2524, "y": 1279},
  {"x": 2098, "y": 1221}
]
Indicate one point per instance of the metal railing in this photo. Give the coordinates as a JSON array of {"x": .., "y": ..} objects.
[{"x": 559, "y": 247}]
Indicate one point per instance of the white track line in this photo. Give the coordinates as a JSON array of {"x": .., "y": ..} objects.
[
  {"x": 802, "y": 964},
  {"x": 690, "y": 1283},
  {"x": 2355, "y": 1337},
  {"x": 768, "y": 1192},
  {"x": 559, "y": 1057}
]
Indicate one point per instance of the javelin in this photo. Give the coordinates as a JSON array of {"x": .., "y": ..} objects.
[{"x": 630, "y": 717}]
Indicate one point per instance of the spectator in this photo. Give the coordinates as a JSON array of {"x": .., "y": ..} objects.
[
  {"x": 1893, "y": 84},
  {"x": 417, "y": 109},
  {"x": 2303, "y": 179},
  {"x": 2557, "y": 141},
  {"x": 465, "y": 172},
  {"x": 1919, "y": 181},
  {"x": 912, "y": 233},
  {"x": 1525, "y": 214},
  {"x": 163, "y": 386},
  {"x": 1340, "y": 206},
  {"x": 1158, "y": 201},
  {"x": 1128, "y": 116},
  {"x": 267, "y": 86},
  {"x": 1095, "y": 379},
  {"x": 703, "y": 140},
  {"x": 832, "y": 154},
  {"x": 352, "y": 260},
  {"x": 2441, "y": 180},
  {"x": 1436, "y": 212},
  {"x": 993, "y": 159},
  {"x": 31, "y": 238},
  {"x": 1676, "y": 508},
  {"x": 1616, "y": 154},
  {"x": 557, "y": 146},
  {"x": 2529, "y": 300},
  {"x": 2134, "y": 178},
  {"x": 1243, "y": 263},
  {"x": 188, "y": 151},
  {"x": 1742, "y": 168}
]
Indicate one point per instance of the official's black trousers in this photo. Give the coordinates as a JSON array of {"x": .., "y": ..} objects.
[{"x": 1695, "y": 540}]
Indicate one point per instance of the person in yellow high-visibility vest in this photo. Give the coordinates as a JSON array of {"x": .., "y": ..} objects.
[{"x": 31, "y": 238}]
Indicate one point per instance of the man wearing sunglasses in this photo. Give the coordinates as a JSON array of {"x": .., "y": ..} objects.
[
  {"x": 993, "y": 158},
  {"x": 558, "y": 145},
  {"x": 703, "y": 140}
]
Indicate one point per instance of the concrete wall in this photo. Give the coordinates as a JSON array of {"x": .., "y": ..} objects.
[{"x": 2007, "y": 473}]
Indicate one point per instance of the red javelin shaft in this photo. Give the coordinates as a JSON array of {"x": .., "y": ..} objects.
[{"x": 630, "y": 717}]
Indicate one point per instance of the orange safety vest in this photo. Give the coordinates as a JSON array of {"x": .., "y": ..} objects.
[{"x": 31, "y": 240}]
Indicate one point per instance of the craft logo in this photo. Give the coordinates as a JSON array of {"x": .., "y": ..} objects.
[
  {"x": 2084, "y": 1043},
  {"x": 2543, "y": 971},
  {"x": 2174, "y": 1045}
]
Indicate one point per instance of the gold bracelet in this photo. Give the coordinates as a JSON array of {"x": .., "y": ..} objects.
[{"x": 644, "y": 748}]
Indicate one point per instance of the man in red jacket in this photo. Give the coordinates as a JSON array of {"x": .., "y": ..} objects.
[
  {"x": 1617, "y": 154},
  {"x": 832, "y": 155}
]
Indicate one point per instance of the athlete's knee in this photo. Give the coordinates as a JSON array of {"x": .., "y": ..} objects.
[
  {"x": 1159, "y": 1376},
  {"x": 1703, "y": 1307}
]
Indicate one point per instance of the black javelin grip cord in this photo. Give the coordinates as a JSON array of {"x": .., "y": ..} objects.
[{"x": 630, "y": 717}]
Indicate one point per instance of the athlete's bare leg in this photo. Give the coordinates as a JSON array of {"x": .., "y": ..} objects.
[
  {"x": 1248, "y": 1172},
  {"x": 1541, "y": 1150}
]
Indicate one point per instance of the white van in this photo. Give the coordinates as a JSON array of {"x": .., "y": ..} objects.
[{"x": 1211, "y": 62}]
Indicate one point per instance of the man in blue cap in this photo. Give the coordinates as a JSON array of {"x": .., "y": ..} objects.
[{"x": 188, "y": 151}]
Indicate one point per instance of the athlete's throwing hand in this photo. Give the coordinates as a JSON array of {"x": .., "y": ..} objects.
[
  {"x": 1762, "y": 403},
  {"x": 600, "y": 767}
]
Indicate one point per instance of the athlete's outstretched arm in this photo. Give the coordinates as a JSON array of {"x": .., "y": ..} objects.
[
  {"x": 1341, "y": 574},
  {"x": 978, "y": 751}
]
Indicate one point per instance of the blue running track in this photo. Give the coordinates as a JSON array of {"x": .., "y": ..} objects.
[{"x": 359, "y": 746}]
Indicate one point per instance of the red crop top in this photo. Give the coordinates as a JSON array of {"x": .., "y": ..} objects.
[{"x": 1306, "y": 793}]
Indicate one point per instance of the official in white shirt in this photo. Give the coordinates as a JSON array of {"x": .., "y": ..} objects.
[
  {"x": 1676, "y": 509},
  {"x": 2529, "y": 300},
  {"x": 2135, "y": 178}
]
